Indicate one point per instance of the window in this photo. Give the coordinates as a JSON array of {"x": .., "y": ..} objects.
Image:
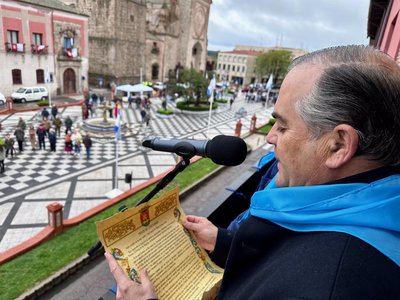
[
  {"x": 243, "y": 69},
  {"x": 229, "y": 67},
  {"x": 40, "y": 76},
  {"x": 68, "y": 42},
  {"x": 28, "y": 91},
  {"x": 233, "y": 68},
  {"x": 223, "y": 67},
  {"x": 36, "y": 90},
  {"x": 42, "y": 90},
  {"x": 219, "y": 66},
  {"x": 16, "y": 76},
  {"x": 12, "y": 36},
  {"x": 132, "y": 18},
  {"x": 37, "y": 39}
]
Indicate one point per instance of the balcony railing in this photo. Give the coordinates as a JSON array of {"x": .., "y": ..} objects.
[
  {"x": 70, "y": 52},
  {"x": 15, "y": 47},
  {"x": 39, "y": 49}
]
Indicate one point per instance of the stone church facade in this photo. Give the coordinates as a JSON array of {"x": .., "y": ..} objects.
[{"x": 156, "y": 37}]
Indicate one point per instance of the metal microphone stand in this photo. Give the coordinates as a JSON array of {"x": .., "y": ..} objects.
[{"x": 179, "y": 167}]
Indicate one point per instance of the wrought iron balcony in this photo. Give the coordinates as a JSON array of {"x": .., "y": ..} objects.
[
  {"x": 39, "y": 49},
  {"x": 15, "y": 47}
]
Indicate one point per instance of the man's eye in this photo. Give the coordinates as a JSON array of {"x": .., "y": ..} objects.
[{"x": 280, "y": 129}]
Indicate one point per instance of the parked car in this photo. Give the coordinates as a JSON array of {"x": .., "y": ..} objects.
[
  {"x": 30, "y": 94},
  {"x": 2, "y": 99}
]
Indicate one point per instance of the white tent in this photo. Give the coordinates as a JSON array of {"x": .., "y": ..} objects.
[{"x": 137, "y": 88}]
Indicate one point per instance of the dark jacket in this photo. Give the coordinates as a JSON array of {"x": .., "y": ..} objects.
[
  {"x": 87, "y": 141},
  {"x": 45, "y": 113},
  {"x": 263, "y": 260},
  {"x": 19, "y": 134},
  {"x": 267, "y": 261},
  {"x": 41, "y": 133},
  {"x": 52, "y": 137},
  {"x": 54, "y": 111}
]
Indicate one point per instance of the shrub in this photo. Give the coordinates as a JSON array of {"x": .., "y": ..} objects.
[
  {"x": 222, "y": 100},
  {"x": 204, "y": 106},
  {"x": 43, "y": 102},
  {"x": 165, "y": 111}
]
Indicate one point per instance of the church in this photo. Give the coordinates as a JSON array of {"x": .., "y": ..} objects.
[{"x": 149, "y": 38}]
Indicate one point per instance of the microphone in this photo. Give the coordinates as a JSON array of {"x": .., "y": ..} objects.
[{"x": 222, "y": 149}]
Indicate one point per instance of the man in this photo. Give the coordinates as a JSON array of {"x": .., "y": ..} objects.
[
  {"x": 87, "y": 141},
  {"x": 52, "y": 140},
  {"x": 327, "y": 226},
  {"x": 45, "y": 114},
  {"x": 68, "y": 124},
  {"x": 57, "y": 124},
  {"x": 41, "y": 133},
  {"x": 20, "y": 137},
  {"x": 54, "y": 111},
  {"x": 9, "y": 145}
]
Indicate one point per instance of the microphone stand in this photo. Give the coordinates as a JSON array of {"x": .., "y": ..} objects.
[{"x": 179, "y": 167}]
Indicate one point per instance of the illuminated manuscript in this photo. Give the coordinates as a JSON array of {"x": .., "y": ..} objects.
[{"x": 151, "y": 237}]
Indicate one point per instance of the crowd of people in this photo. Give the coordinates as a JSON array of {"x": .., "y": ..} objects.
[{"x": 47, "y": 130}]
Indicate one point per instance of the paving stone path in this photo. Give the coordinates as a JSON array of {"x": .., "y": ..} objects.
[{"x": 34, "y": 179}]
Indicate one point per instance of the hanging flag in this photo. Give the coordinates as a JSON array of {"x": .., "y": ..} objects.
[
  {"x": 211, "y": 87},
  {"x": 269, "y": 82},
  {"x": 117, "y": 127}
]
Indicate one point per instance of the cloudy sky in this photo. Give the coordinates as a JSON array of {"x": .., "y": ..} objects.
[{"x": 307, "y": 24}]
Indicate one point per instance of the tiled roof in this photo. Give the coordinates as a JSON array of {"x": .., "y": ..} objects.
[
  {"x": 245, "y": 52},
  {"x": 54, "y": 4}
]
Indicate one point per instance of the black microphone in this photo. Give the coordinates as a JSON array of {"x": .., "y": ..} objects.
[{"x": 223, "y": 149}]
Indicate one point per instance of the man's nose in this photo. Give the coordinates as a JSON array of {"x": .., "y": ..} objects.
[{"x": 271, "y": 136}]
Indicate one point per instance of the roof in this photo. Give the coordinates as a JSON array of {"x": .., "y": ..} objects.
[
  {"x": 212, "y": 53},
  {"x": 376, "y": 14},
  {"x": 243, "y": 52},
  {"x": 54, "y": 4}
]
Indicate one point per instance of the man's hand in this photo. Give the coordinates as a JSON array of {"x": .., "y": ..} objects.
[
  {"x": 128, "y": 289},
  {"x": 205, "y": 231}
]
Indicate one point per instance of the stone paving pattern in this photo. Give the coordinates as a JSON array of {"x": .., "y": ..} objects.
[{"x": 34, "y": 179}]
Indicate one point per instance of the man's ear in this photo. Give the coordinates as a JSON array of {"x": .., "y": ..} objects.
[{"x": 342, "y": 145}]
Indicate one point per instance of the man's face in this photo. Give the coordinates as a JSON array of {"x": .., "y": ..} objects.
[{"x": 300, "y": 158}]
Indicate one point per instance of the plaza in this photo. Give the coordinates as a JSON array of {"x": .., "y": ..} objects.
[{"x": 34, "y": 179}]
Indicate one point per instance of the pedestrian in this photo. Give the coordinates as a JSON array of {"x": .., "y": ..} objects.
[
  {"x": 92, "y": 108},
  {"x": 109, "y": 103},
  {"x": 85, "y": 111},
  {"x": 52, "y": 140},
  {"x": 118, "y": 105},
  {"x": 32, "y": 136},
  {"x": 47, "y": 126},
  {"x": 54, "y": 111},
  {"x": 9, "y": 145},
  {"x": 20, "y": 136},
  {"x": 41, "y": 133},
  {"x": 76, "y": 142},
  {"x": 68, "y": 143},
  {"x": 143, "y": 114},
  {"x": 130, "y": 100},
  {"x": 164, "y": 104},
  {"x": 68, "y": 124},
  {"x": 57, "y": 124},
  {"x": 137, "y": 102},
  {"x": 2, "y": 155},
  {"x": 45, "y": 114},
  {"x": 22, "y": 124},
  {"x": 87, "y": 141},
  {"x": 147, "y": 117}
]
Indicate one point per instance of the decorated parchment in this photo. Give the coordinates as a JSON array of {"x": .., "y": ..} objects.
[{"x": 151, "y": 236}]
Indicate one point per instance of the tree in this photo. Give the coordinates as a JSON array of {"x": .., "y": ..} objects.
[
  {"x": 197, "y": 85},
  {"x": 275, "y": 62}
]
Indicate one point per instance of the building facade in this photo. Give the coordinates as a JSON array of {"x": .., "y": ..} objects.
[
  {"x": 43, "y": 44},
  {"x": 384, "y": 26},
  {"x": 154, "y": 38},
  {"x": 239, "y": 65}
]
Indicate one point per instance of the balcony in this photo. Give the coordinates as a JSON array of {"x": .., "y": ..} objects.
[
  {"x": 39, "y": 49},
  {"x": 15, "y": 47}
]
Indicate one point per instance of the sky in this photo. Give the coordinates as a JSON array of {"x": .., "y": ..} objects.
[{"x": 306, "y": 24}]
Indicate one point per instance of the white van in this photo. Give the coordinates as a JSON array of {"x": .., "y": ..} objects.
[
  {"x": 2, "y": 99},
  {"x": 30, "y": 94}
]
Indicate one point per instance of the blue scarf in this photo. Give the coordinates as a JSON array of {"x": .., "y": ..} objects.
[{"x": 370, "y": 212}]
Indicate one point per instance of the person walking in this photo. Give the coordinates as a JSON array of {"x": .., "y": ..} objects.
[
  {"x": 22, "y": 124},
  {"x": 32, "y": 137},
  {"x": 76, "y": 142},
  {"x": 52, "y": 140},
  {"x": 143, "y": 114},
  {"x": 68, "y": 124},
  {"x": 85, "y": 111},
  {"x": 54, "y": 111},
  {"x": 147, "y": 118},
  {"x": 47, "y": 126},
  {"x": 9, "y": 145},
  {"x": 20, "y": 136},
  {"x": 68, "y": 143},
  {"x": 2, "y": 156},
  {"x": 41, "y": 133},
  {"x": 45, "y": 114},
  {"x": 87, "y": 141},
  {"x": 57, "y": 124}
]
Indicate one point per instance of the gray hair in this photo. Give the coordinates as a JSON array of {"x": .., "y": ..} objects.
[{"x": 359, "y": 86}]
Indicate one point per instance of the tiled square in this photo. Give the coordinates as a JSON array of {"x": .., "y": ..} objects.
[
  {"x": 32, "y": 213},
  {"x": 19, "y": 186},
  {"x": 42, "y": 178}
]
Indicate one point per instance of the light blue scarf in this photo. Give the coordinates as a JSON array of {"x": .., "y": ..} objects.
[{"x": 370, "y": 212}]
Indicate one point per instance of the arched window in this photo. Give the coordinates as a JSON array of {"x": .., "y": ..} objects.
[
  {"x": 16, "y": 76},
  {"x": 40, "y": 76},
  {"x": 154, "y": 71}
]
